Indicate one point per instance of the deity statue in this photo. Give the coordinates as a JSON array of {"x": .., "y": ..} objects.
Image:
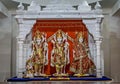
[
  {"x": 39, "y": 53},
  {"x": 60, "y": 53},
  {"x": 41, "y": 58},
  {"x": 29, "y": 68},
  {"x": 82, "y": 64}
]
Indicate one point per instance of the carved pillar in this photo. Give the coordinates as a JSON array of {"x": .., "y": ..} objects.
[
  {"x": 90, "y": 24},
  {"x": 98, "y": 65},
  {"x": 95, "y": 55},
  {"x": 98, "y": 41},
  {"x": 24, "y": 56},
  {"x": 93, "y": 26},
  {"x": 19, "y": 57},
  {"x": 25, "y": 27}
]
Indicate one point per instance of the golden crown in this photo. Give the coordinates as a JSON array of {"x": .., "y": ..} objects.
[
  {"x": 38, "y": 34},
  {"x": 80, "y": 35},
  {"x": 59, "y": 34}
]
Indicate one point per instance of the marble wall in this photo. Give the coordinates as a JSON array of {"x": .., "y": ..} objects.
[
  {"x": 8, "y": 33},
  {"x": 5, "y": 47},
  {"x": 13, "y": 45},
  {"x": 111, "y": 46}
]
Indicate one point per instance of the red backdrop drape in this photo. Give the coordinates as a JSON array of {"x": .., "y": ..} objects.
[{"x": 51, "y": 26}]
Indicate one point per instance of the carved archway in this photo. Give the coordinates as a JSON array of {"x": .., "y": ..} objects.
[{"x": 51, "y": 26}]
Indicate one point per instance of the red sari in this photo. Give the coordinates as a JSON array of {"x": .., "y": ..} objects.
[{"x": 81, "y": 62}]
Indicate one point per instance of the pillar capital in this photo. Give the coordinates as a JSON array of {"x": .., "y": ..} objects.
[
  {"x": 99, "y": 20},
  {"x": 99, "y": 38}
]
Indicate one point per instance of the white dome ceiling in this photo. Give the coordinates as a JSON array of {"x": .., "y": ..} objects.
[{"x": 46, "y": 2}]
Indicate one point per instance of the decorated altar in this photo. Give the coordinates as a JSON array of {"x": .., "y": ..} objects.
[{"x": 59, "y": 41}]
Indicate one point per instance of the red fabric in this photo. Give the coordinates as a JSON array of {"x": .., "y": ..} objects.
[{"x": 51, "y": 26}]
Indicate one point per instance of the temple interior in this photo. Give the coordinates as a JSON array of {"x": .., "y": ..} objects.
[{"x": 55, "y": 40}]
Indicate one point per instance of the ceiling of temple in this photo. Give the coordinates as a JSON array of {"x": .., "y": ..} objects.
[
  {"x": 45, "y": 2},
  {"x": 12, "y": 4}
]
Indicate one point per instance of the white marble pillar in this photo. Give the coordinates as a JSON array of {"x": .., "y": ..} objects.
[
  {"x": 25, "y": 27},
  {"x": 95, "y": 54},
  {"x": 90, "y": 24},
  {"x": 24, "y": 56},
  {"x": 98, "y": 41},
  {"x": 19, "y": 57},
  {"x": 102, "y": 62},
  {"x": 98, "y": 64}
]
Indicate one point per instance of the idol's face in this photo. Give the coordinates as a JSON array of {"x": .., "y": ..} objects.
[
  {"x": 59, "y": 39},
  {"x": 80, "y": 40},
  {"x": 38, "y": 41}
]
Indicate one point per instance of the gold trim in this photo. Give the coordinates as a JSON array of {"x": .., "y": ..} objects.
[{"x": 60, "y": 78}]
